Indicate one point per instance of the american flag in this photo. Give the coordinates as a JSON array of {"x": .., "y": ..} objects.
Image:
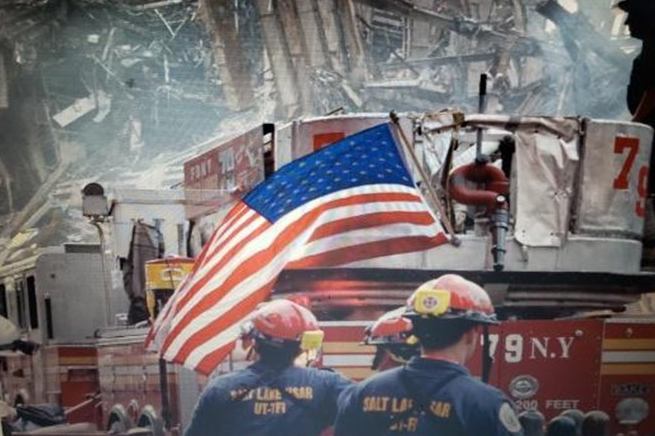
[{"x": 347, "y": 202}]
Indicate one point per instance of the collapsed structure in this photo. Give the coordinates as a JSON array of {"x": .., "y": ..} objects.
[{"x": 140, "y": 80}]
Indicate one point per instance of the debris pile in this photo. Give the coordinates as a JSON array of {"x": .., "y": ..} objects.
[{"x": 95, "y": 89}]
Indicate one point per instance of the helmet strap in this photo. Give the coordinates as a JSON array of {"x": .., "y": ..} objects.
[{"x": 486, "y": 354}]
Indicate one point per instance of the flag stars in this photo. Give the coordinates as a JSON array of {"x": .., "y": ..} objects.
[{"x": 369, "y": 158}]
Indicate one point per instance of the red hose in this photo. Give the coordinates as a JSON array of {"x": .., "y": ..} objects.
[{"x": 494, "y": 180}]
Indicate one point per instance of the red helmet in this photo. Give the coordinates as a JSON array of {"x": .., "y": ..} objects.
[
  {"x": 390, "y": 328},
  {"x": 285, "y": 322},
  {"x": 392, "y": 335},
  {"x": 451, "y": 297}
]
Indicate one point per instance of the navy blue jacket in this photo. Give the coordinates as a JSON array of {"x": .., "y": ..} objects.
[
  {"x": 258, "y": 401},
  {"x": 445, "y": 400}
]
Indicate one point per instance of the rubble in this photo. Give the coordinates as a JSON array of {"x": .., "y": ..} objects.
[{"x": 140, "y": 81}]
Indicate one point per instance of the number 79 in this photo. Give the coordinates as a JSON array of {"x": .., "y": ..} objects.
[{"x": 621, "y": 182}]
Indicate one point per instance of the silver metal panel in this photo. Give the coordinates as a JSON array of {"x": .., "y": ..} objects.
[
  {"x": 546, "y": 165},
  {"x": 282, "y": 148},
  {"x": 74, "y": 283},
  {"x": 544, "y": 172},
  {"x": 580, "y": 253},
  {"x": 298, "y": 137},
  {"x": 610, "y": 200},
  {"x": 189, "y": 391}
]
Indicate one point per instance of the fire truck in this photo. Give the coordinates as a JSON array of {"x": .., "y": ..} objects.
[{"x": 547, "y": 213}]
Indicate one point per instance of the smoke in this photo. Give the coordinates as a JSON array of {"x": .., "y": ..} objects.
[{"x": 156, "y": 80}]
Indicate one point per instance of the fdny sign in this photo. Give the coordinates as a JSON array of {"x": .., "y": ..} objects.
[
  {"x": 515, "y": 347},
  {"x": 229, "y": 169},
  {"x": 544, "y": 365}
]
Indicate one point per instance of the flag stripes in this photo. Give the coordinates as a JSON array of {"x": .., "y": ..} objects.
[
  {"x": 367, "y": 208},
  {"x": 232, "y": 270}
]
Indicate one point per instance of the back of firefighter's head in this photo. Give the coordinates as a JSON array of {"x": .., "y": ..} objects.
[
  {"x": 532, "y": 422},
  {"x": 392, "y": 336},
  {"x": 282, "y": 330},
  {"x": 447, "y": 311},
  {"x": 562, "y": 426},
  {"x": 577, "y": 416},
  {"x": 596, "y": 423}
]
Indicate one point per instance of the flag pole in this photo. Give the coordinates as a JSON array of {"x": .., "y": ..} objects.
[{"x": 454, "y": 240}]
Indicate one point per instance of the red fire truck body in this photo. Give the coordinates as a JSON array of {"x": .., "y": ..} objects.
[
  {"x": 550, "y": 365},
  {"x": 547, "y": 365}
]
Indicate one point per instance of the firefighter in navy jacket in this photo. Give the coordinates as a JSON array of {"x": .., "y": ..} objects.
[
  {"x": 272, "y": 396},
  {"x": 433, "y": 394}
]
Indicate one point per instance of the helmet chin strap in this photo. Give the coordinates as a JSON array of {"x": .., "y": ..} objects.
[
  {"x": 388, "y": 360},
  {"x": 396, "y": 358},
  {"x": 250, "y": 352},
  {"x": 487, "y": 360}
]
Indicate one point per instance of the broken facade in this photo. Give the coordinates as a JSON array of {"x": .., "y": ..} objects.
[{"x": 109, "y": 89}]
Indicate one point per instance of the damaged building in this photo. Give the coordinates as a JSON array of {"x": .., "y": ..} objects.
[{"x": 106, "y": 91}]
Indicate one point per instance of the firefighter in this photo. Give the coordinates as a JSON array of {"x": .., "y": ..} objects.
[
  {"x": 562, "y": 425},
  {"x": 272, "y": 396},
  {"x": 596, "y": 423},
  {"x": 533, "y": 422},
  {"x": 577, "y": 416},
  {"x": 392, "y": 336},
  {"x": 434, "y": 393}
]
